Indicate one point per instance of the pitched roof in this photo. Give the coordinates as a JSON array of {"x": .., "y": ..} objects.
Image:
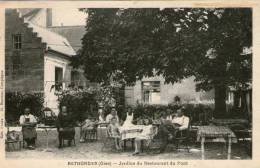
[
  {"x": 53, "y": 40},
  {"x": 28, "y": 13},
  {"x": 74, "y": 34}
]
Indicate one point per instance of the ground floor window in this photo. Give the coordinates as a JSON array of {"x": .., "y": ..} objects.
[{"x": 58, "y": 78}]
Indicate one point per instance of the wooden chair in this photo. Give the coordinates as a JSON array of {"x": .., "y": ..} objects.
[
  {"x": 68, "y": 139},
  {"x": 12, "y": 142},
  {"x": 108, "y": 142},
  {"x": 72, "y": 140},
  {"x": 182, "y": 136},
  {"x": 91, "y": 135}
]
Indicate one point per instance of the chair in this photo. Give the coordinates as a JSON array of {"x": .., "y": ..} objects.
[
  {"x": 91, "y": 135},
  {"x": 182, "y": 136},
  {"x": 128, "y": 140},
  {"x": 108, "y": 142},
  {"x": 73, "y": 140},
  {"x": 24, "y": 142},
  {"x": 68, "y": 139},
  {"x": 12, "y": 140}
]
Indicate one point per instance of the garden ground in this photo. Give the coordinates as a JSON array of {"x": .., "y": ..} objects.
[{"x": 93, "y": 150}]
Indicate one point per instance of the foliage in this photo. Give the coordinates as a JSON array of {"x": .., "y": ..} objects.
[
  {"x": 15, "y": 103},
  {"x": 126, "y": 45},
  {"x": 80, "y": 103},
  {"x": 84, "y": 102},
  {"x": 198, "y": 113}
]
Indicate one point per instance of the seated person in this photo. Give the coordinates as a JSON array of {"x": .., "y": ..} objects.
[
  {"x": 113, "y": 131},
  {"x": 113, "y": 114},
  {"x": 180, "y": 121},
  {"x": 28, "y": 123},
  {"x": 88, "y": 125},
  {"x": 65, "y": 126},
  {"x": 147, "y": 134},
  {"x": 168, "y": 129}
]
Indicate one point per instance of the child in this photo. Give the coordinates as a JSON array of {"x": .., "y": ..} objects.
[{"x": 113, "y": 131}]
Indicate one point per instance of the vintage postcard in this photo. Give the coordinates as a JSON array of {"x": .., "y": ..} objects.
[{"x": 129, "y": 84}]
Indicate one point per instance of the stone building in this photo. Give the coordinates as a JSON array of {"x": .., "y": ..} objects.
[{"x": 36, "y": 58}]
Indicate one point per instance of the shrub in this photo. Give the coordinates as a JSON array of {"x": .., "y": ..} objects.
[
  {"x": 198, "y": 113},
  {"x": 15, "y": 102},
  {"x": 80, "y": 103}
]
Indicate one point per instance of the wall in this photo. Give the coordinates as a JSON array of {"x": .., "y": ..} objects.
[
  {"x": 185, "y": 90},
  {"x": 51, "y": 61},
  {"x": 29, "y": 77}
]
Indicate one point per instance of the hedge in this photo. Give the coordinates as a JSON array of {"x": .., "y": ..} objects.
[
  {"x": 198, "y": 113},
  {"x": 16, "y": 102}
]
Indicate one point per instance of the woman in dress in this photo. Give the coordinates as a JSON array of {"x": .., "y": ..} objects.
[
  {"x": 65, "y": 126},
  {"x": 129, "y": 118},
  {"x": 101, "y": 117},
  {"x": 28, "y": 123}
]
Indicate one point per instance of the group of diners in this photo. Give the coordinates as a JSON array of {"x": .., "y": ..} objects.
[{"x": 169, "y": 123}]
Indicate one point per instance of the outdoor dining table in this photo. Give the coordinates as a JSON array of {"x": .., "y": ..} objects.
[
  {"x": 215, "y": 134},
  {"x": 131, "y": 132},
  {"x": 136, "y": 132},
  {"x": 47, "y": 129}
]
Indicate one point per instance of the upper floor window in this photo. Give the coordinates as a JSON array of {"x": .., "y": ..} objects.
[
  {"x": 17, "y": 41},
  {"x": 151, "y": 92}
]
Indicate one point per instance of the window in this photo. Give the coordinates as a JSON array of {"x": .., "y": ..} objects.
[
  {"x": 17, "y": 41},
  {"x": 58, "y": 78},
  {"x": 16, "y": 65},
  {"x": 151, "y": 92}
]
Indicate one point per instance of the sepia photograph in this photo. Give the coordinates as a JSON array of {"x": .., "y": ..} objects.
[{"x": 128, "y": 83}]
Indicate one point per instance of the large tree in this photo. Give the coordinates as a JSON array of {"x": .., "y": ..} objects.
[{"x": 125, "y": 45}]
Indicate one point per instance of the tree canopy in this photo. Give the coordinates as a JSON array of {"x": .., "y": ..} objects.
[{"x": 125, "y": 45}]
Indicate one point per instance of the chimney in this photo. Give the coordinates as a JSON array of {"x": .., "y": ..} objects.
[{"x": 49, "y": 17}]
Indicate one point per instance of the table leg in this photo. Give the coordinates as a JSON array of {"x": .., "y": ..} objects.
[
  {"x": 142, "y": 146},
  {"x": 47, "y": 141},
  {"x": 202, "y": 148},
  {"x": 20, "y": 145},
  {"x": 124, "y": 144},
  {"x": 229, "y": 147}
]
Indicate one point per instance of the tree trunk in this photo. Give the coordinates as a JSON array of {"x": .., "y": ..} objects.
[{"x": 220, "y": 101}]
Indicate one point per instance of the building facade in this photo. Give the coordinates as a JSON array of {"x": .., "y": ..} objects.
[
  {"x": 154, "y": 91},
  {"x": 36, "y": 58}
]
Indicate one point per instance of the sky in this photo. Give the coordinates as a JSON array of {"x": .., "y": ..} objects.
[{"x": 68, "y": 17}]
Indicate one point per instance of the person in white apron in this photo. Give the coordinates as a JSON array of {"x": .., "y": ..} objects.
[
  {"x": 28, "y": 123},
  {"x": 129, "y": 118}
]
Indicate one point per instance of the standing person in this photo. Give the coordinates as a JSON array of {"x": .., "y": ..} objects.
[
  {"x": 129, "y": 118},
  {"x": 101, "y": 117},
  {"x": 28, "y": 123},
  {"x": 113, "y": 114},
  {"x": 65, "y": 126}
]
